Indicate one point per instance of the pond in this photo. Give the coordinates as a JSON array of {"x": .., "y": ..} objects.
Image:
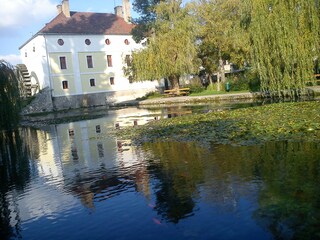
[{"x": 77, "y": 181}]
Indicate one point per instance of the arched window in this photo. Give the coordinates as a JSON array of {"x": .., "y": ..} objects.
[{"x": 107, "y": 41}]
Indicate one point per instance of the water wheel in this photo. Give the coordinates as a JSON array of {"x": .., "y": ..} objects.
[{"x": 28, "y": 86}]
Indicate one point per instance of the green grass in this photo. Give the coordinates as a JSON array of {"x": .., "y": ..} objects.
[
  {"x": 274, "y": 122},
  {"x": 151, "y": 95}
]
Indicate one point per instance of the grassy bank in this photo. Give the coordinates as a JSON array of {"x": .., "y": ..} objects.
[{"x": 282, "y": 121}]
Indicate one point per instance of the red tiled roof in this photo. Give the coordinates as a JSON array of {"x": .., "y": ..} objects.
[{"x": 88, "y": 23}]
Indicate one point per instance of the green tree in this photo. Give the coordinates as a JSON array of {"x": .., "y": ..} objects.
[
  {"x": 9, "y": 97},
  {"x": 285, "y": 42},
  {"x": 221, "y": 35},
  {"x": 171, "y": 50},
  {"x": 145, "y": 23}
]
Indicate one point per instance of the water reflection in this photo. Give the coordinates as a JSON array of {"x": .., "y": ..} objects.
[
  {"x": 76, "y": 176},
  {"x": 281, "y": 177},
  {"x": 14, "y": 174}
]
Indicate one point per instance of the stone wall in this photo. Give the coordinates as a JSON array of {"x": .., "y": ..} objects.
[
  {"x": 79, "y": 101},
  {"x": 114, "y": 98},
  {"x": 42, "y": 102}
]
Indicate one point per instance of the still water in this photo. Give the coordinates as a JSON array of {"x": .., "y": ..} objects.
[{"x": 76, "y": 181}]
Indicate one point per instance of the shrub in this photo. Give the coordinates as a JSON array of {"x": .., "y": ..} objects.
[
  {"x": 247, "y": 80},
  {"x": 196, "y": 85}
]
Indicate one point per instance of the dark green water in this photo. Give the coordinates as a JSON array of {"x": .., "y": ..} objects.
[{"x": 76, "y": 181}]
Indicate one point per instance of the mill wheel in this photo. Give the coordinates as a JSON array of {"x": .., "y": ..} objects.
[{"x": 28, "y": 86}]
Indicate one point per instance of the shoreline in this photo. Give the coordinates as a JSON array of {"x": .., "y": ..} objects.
[{"x": 45, "y": 118}]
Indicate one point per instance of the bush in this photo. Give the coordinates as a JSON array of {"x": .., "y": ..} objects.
[
  {"x": 196, "y": 85},
  {"x": 247, "y": 80}
]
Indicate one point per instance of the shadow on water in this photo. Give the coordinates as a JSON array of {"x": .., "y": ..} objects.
[{"x": 14, "y": 173}]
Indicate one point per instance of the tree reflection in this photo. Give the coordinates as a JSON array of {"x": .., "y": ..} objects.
[
  {"x": 14, "y": 174},
  {"x": 289, "y": 177},
  {"x": 179, "y": 171},
  {"x": 283, "y": 178},
  {"x": 290, "y": 205}
]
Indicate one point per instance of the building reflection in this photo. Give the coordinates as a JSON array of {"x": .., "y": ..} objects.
[
  {"x": 62, "y": 167},
  {"x": 85, "y": 160}
]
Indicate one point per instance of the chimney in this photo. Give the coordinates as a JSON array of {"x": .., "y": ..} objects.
[
  {"x": 118, "y": 11},
  {"x": 65, "y": 8},
  {"x": 59, "y": 8},
  {"x": 126, "y": 10}
]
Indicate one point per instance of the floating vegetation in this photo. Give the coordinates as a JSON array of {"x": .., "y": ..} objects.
[{"x": 282, "y": 121}]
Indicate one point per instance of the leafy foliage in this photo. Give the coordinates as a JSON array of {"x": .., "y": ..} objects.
[
  {"x": 247, "y": 80},
  {"x": 283, "y": 38},
  {"x": 221, "y": 35},
  {"x": 284, "y": 41},
  {"x": 9, "y": 97},
  {"x": 171, "y": 51},
  {"x": 145, "y": 23}
]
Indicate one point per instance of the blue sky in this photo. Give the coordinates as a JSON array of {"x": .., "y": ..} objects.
[{"x": 22, "y": 18}]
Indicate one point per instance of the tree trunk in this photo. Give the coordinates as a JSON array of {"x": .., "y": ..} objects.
[
  {"x": 221, "y": 71},
  {"x": 210, "y": 78},
  {"x": 174, "y": 81},
  {"x": 218, "y": 81}
]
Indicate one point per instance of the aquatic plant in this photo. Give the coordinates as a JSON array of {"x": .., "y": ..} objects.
[{"x": 294, "y": 121}]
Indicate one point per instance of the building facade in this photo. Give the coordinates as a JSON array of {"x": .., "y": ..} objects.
[{"x": 80, "y": 57}]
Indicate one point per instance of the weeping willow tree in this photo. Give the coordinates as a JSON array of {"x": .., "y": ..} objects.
[
  {"x": 285, "y": 43},
  {"x": 9, "y": 97},
  {"x": 171, "y": 50}
]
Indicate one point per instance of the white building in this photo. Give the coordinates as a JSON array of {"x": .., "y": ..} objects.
[{"x": 80, "y": 56}]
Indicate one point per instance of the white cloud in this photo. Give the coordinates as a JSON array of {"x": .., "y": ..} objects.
[
  {"x": 23, "y": 13},
  {"x": 12, "y": 59}
]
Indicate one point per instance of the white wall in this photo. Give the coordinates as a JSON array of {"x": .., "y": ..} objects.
[
  {"x": 117, "y": 48},
  {"x": 37, "y": 61},
  {"x": 34, "y": 57}
]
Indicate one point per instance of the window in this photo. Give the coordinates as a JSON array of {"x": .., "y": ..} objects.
[
  {"x": 126, "y": 42},
  {"x": 109, "y": 60},
  {"x": 71, "y": 132},
  {"x": 60, "y": 42},
  {"x": 87, "y": 42},
  {"x": 63, "y": 63},
  {"x": 107, "y": 41},
  {"x": 34, "y": 49},
  {"x": 89, "y": 62},
  {"x": 128, "y": 60},
  {"x": 25, "y": 54},
  {"x": 65, "y": 84},
  {"x": 74, "y": 153},
  {"x": 100, "y": 150},
  {"x": 92, "y": 82},
  {"x": 112, "y": 80},
  {"x": 130, "y": 79},
  {"x": 98, "y": 129}
]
